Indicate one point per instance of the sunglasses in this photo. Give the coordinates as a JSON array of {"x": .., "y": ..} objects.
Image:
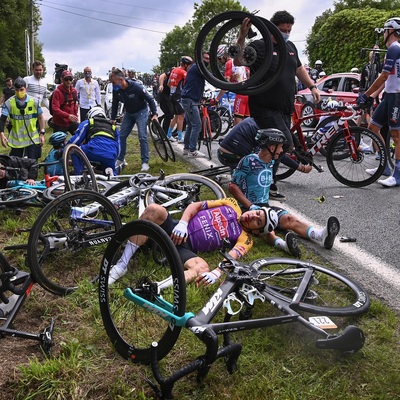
[{"x": 68, "y": 79}]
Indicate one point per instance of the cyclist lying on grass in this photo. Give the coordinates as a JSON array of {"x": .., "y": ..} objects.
[
  {"x": 26, "y": 171},
  {"x": 204, "y": 226},
  {"x": 251, "y": 181}
]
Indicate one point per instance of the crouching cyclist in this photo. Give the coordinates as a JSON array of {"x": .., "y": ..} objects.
[
  {"x": 99, "y": 140},
  {"x": 57, "y": 140}
]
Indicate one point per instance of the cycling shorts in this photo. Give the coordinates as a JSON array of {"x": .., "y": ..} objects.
[
  {"x": 241, "y": 106},
  {"x": 388, "y": 112},
  {"x": 177, "y": 107}
]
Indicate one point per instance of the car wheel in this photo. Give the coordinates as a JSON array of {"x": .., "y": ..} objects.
[{"x": 308, "y": 109}]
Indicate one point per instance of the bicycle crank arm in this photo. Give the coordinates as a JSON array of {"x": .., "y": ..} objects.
[{"x": 318, "y": 167}]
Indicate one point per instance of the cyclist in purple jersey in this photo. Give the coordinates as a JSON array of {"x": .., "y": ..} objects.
[{"x": 204, "y": 226}]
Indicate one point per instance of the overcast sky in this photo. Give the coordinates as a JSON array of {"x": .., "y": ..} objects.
[{"x": 77, "y": 33}]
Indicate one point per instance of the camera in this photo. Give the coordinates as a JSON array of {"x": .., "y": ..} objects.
[{"x": 379, "y": 30}]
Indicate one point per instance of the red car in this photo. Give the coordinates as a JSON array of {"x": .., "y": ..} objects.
[{"x": 342, "y": 87}]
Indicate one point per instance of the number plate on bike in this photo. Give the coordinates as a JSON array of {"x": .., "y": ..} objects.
[{"x": 322, "y": 322}]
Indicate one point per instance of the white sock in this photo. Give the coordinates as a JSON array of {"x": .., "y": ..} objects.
[
  {"x": 165, "y": 283},
  {"x": 129, "y": 251},
  {"x": 281, "y": 244},
  {"x": 316, "y": 235}
]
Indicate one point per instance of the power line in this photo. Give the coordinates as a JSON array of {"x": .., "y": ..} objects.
[
  {"x": 103, "y": 20},
  {"x": 147, "y": 8}
]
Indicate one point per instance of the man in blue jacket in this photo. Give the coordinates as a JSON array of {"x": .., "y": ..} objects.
[{"x": 135, "y": 98}]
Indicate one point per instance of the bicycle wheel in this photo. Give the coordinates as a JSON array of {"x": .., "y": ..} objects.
[
  {"x": 182, "y": 190},
  {"x": 131, "y": 328},
  {"x": 285, "y": 171},
  {"x": 207, "y": 139},
  {"x": 226, "y": 120},
  {"x": 83, "y": 179},
  {"x": 68, "y": 239},
  {"x": 222, "y": 30},
  {"x": 353, "y": 172},
  {"x": 16, "y": 196},
  {"x": 215, "y": 123},
  {"x": 328, "y": 293},
  {"x": 154, "y": 128}
]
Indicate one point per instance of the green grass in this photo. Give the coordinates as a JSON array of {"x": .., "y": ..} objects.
[{"x": 280, "y": 362}]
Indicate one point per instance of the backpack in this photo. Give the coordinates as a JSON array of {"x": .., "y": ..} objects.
[{"x": 74, "y": 95}]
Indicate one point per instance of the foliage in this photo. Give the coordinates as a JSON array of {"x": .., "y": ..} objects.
[
  {"x": 353, "y": 29},
  {"x": 387, "y": 5},
  {"x": 181, "y": 40},
  {"x": 15, "y": 18}
]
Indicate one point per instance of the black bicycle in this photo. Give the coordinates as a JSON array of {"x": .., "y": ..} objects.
[{"x": 144, "y": 311}]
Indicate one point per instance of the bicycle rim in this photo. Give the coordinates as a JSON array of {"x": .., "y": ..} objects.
[
  {"x": 284, "y": 171},
  {"x": 16, "y": 196},
  {"x": 197, "y": 188},
  {"x": 157, "y": 139},
  {"x": 328, "y": 293},
  {"x": 131, "y": 328},
  {"x": 352, "y": 172},
  {"x": 85, "y": 178},
  {"x": 65, "y": 248}
]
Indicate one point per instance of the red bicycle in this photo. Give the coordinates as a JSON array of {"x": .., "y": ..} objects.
[{"x": 355, "y": 156}]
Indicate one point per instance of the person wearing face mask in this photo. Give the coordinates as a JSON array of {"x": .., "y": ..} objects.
[
  {"x": 24, "y": 113},
  {"x": 88, "y": 92},
  {"x": 273, "y": 107}
]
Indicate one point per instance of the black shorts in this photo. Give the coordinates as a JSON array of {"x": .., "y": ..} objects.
[
  {"x": 185, "y": 249},
  {"x": 177, "y": 107}
]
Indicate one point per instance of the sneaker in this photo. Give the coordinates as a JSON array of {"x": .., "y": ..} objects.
[
  {"x": 293, "y": 244},
  {"x": 330, "y": 232},
  {"x": 364, "y": 148},
  {"x": 386, "y": 172},
  {"x": 171, "y": 138},
  {"x": 180, "y": 138},
  {"x": 196, "y": 153},
  {"x": 389, "y": 182},
  {"x": 116, "y": 272},
  {"x": 145, "y": 167},
  {"x": 274, "y": 194},
  {"x": 185, "y": 152}
]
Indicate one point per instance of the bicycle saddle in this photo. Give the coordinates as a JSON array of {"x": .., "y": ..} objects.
[{"x": 350, "y": 340}]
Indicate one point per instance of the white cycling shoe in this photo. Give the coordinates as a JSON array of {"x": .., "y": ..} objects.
[{"x": 389, "y": 182}]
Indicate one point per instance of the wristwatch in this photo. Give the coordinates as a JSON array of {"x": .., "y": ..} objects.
[
  {"x": 42, "y": 132},
  {"x": 312, "y": 87}
]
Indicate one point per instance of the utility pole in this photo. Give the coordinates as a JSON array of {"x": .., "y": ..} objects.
[{"x": 32, "y": 34}]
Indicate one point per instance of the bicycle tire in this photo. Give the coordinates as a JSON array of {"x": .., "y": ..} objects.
[
  {"x": 215, "y": 123},
  {"x": 55, "y": 191},
  {"x": 63, "y": 249},
  {"x": 157, "y": 139},
  {"x": 199, "y": 188},
  {"x": 235, "y": 19},
  {"x": 16, "y": 196},
  {"x": 88, "y": 179},
  {"x": 329, "y": 292},
  {"x": 207, "y": 137},
  {"x": 353, "y": 172},
  {"x": 284, "y": 171},
  {"x": 131, "y": 328},
  {"x": 226, "y": 121}
]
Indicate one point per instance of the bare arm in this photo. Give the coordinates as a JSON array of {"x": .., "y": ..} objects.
[
  {"x": 379, "y": 81},
  {"x": 235, "y": 191}
]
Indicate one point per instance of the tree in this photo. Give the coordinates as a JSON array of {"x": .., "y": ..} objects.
[
  {"x": 15, "y": 18},
  {"x": 181, "y": 40}
]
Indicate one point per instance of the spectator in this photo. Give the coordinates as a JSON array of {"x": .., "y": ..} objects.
[
  {"x": 136, "y": 99},
  {"x": 24, "y": 114},
  {"x": 99, "y": 140},
  {"x": 175, "y": 83},
  {"x": 65, "y": 105},
  {"x": 8, "y": 91},
  {"x": 251, "y": 181},
  {"x": 192, "y": 234},
  {"x": 315, "y": 73},
  {"x": 27, "y": 170},
  {"x": 387, "y": 111},
  {"x": 88, "y": 92},
  {"x": 273, "y": 107},
  {"x": 36, "y": 85},
  {"x": 192, "y": 94}
]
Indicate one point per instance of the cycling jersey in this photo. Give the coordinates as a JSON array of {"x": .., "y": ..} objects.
[
  {"x": 235, "y": 74},
  {"x": 176, "y": 81},
  {"x": 392, "y": 67},
  {"x": 219, "y": 220},
  {"x": 254, "y": 177}
]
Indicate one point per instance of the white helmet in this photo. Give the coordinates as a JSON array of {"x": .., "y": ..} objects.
[
  {"x": 332, "y": 105},
  {"x": 318, "y": 62},
  {"x": 222, "y": 50},
  {"x": 322, "y": 74},
  {"x": 96, "y": 112},
  {"x": 355, "y": 69},
  {"x": 271, "y": 220},
  {"x": 393, "y": 23}
]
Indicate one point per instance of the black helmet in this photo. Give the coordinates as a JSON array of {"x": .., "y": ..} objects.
[
  {"x": 19, "y": 83},
  {"x": 270, "y": 136},
  {"x": 186, "y": 60}
]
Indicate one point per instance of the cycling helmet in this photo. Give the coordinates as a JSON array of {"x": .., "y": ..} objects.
[
  {"x": 322, "y": 74},
  {"x": 186, "y": 60},
  {"x": 318, "y": 62},
  {"x": 131, "y": 69},
  {"x": 393, "y": 23},
  {"x": 270, "y": 136},
  {"x": 57, "y": 139},
  {"x": 355, "y": 70},
  {"x": 332, "y": 105},
  {"x": 19, "y": 83},
  {"x": 222, "y": 50},
  {"x": 271, "y": 220},
  {"x": 96, "y": 112}
]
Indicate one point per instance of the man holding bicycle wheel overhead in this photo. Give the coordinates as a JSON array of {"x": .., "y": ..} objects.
[
  {"x": 388, "y": 111},
  {"x": 274, "y": 106}
]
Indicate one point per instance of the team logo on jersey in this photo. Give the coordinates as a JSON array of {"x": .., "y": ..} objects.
[
  {"x": 219, "y": 223},
  {"x": 264, "y": 178}
]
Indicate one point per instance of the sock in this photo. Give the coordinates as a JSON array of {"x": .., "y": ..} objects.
[
  {"x": 169, "y": 133},
  {"x": 315, "y": 234},
  {"x": 165, "y": 283},
  {"x": 129, "y": 251},
  {"x": 180, "y": 135},
  {"x": 281, "y": 244}
]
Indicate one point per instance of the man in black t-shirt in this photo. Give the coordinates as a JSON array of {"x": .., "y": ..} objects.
[
  {"x": 274, "y": 106},
  {"x": 8, "y": 91}
]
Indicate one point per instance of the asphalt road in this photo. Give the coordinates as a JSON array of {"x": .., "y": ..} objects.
[{"x": 370, "y": 214}]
